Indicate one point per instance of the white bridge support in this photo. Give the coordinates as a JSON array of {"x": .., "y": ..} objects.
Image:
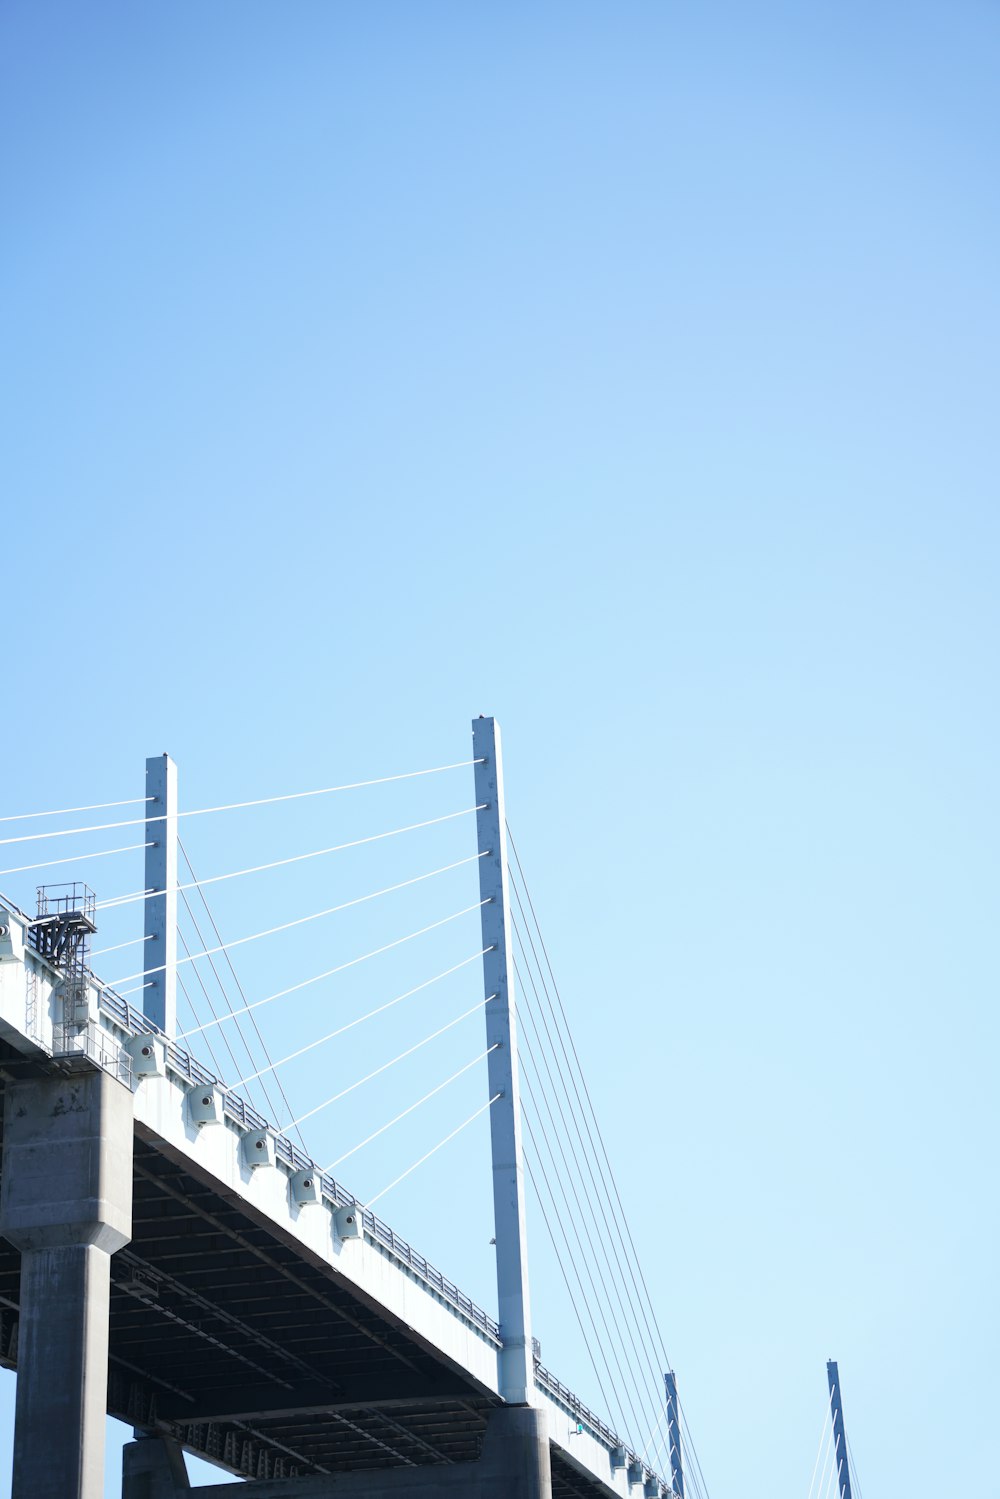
[
  {"x": 159, "y": 950},
  {"x": 513, "y": 1300}
]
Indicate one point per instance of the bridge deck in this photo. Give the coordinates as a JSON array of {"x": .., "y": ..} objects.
[{"x": 242, "y": 1325}]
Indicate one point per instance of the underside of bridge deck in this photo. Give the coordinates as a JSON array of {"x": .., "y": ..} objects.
[{"x": 233, "y": 1342}]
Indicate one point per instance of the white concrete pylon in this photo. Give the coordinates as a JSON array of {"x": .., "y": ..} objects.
[{"x": 513, "y": 1299}]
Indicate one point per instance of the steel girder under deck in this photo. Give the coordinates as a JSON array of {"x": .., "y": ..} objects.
[{"x": 236, "y": 1344}]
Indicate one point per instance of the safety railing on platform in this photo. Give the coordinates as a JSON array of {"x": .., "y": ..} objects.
[{"x": 94, "y": 1044}]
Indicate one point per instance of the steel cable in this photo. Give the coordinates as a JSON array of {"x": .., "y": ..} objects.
[
  {"x": 340, "y": 968},
  {"x": 642, "y": 1395},
  {"x": 855, "y": 1480},
  {"x": 113, "y": 902},
  {"x": 433, "y": 1151},
  {"x": 824, "y": 1442},
  {"x": 271, "y": 1110},
  {"x": 637, "y": 1423},
  {"x": 427, "y": 1096},
  {"x": 194, "y": 1012},
  {"x": 360, "y": 1019},
  {"x": 100, "y": 853},
  {"x": 261, "y": 801},
  {"x": 286, "y": 926},
  {"x": 130, "y": 801},
  {"x": 639, "y": 1348},
  {"x": 196, "y": 971},
  {"x": 239, "y": 986},
  {"x": 608, "y": 1406},
  {"x": 377, "y": 1072},
  {"x": 579, "y": 1296},
  {"x": 696, "y": 1475}
]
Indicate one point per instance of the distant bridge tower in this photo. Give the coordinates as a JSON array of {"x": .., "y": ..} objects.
[
  {"x": 840, "y": 1457},
  {"x": 674, "y": 1435}
]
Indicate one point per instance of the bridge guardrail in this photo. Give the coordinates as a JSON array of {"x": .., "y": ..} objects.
[
  {"x": 555, "y": 1387},
  {"x": 246, "y": 1116},
  {"x": 429, "y": 1273}
]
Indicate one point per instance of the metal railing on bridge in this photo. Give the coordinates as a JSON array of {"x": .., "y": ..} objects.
[{"x": 245, "y": 1117}]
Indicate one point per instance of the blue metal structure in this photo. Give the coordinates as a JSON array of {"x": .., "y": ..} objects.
[
  {"x": 839, "y": 1434},
  {"x": 674, "y": 1435},
  {"x": 160, "y": 946},
  {"x": 517, "y": 1362}
]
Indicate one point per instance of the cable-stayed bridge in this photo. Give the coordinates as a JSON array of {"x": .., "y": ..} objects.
[{"x": 173, "y": 1254}]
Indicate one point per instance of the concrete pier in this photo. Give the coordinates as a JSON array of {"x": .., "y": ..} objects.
[
  {"x": 514, "y": 1464},
  {"x": 66, "y": 1204}
]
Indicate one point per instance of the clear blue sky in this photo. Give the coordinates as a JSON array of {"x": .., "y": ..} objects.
[{"x": 629, "y": 372}]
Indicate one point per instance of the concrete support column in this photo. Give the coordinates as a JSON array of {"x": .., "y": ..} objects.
[
  {"x": 515, "y": 1460},
  {"x": 514, "y": 1465},
  {"x": 153, "y": 1468},
  {"x": 66, "y": 1203}
]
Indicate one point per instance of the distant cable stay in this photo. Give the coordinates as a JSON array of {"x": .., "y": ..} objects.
[
  {"x": 827, "y": 1469},
  {"x": 822, "y": 1451},
  {"x": 653, "y": 1438},
  {"x": 665, "y": 1451},
  {"x": 261, "y": 801}
]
